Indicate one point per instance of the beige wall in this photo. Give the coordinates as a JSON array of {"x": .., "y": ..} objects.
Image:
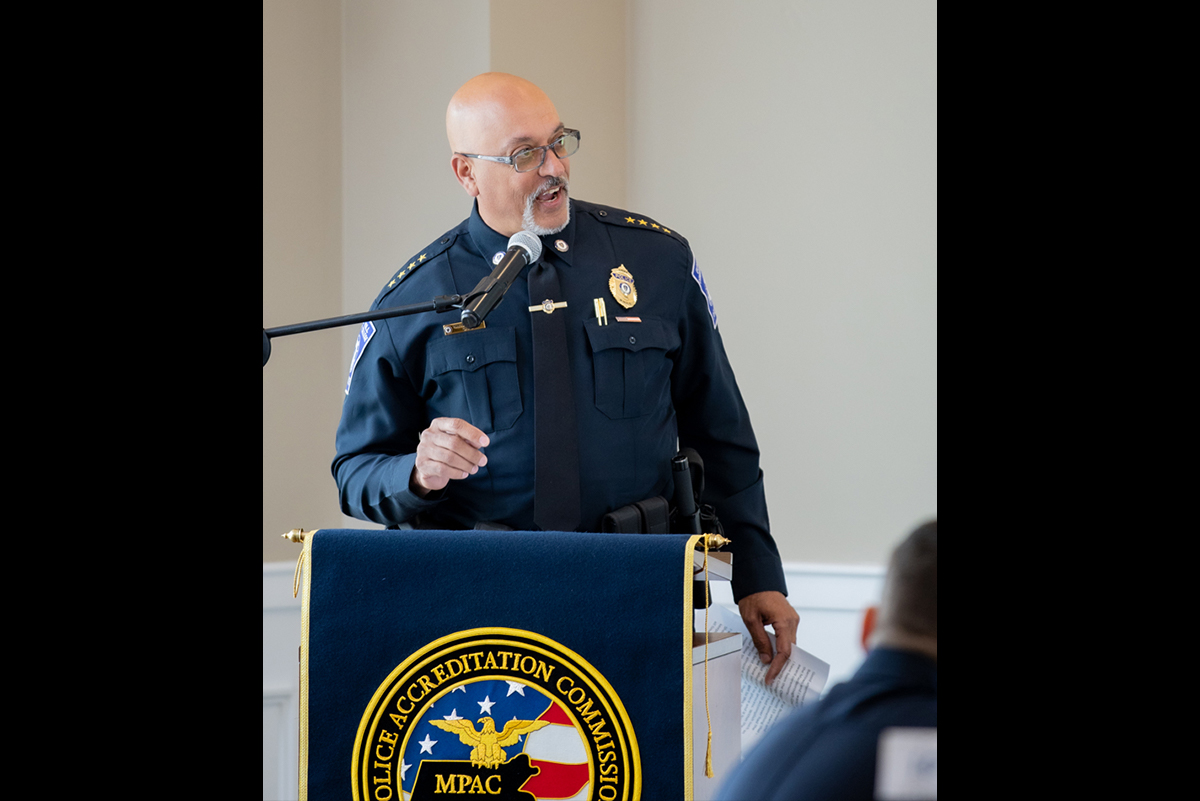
[
  {"x": 576, "y": 53},
  {"x": 302, "y": 260},
  {"x": 794, "y": 144},
  {"x": 403, "y": 62}
]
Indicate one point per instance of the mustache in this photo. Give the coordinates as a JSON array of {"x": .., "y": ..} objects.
[{"x": 547, "y": 185}]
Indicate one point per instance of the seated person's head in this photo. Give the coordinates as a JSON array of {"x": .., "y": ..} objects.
[{"x": 907, "y": 616}]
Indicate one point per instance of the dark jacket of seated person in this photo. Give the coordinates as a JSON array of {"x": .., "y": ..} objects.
[{"x": 829, "y": 750}]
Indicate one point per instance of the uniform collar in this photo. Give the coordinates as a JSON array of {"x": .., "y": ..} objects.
[
  {"x": 489, "y": 243},
  {"x": 566, "y": 236},
  {"x": 896, "y": 663}
]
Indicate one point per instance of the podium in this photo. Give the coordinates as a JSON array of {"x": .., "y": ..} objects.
[{"x": 510, "y": 665}]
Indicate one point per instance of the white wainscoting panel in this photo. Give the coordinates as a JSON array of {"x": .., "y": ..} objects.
[{"x": 281, "y": 682}]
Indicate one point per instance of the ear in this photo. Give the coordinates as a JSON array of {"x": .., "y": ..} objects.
[
  {"x": 464, "y": 172},
  {"x": 870, "y": 617}
]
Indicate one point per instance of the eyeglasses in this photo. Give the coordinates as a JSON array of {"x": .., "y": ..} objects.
[{"x": 532, "y": 158}]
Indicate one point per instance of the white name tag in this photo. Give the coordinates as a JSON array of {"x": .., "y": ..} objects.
[{"x": 907, "y": 766}]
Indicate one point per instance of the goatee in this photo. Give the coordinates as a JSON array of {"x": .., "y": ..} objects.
[{"x": 527, "y": 218}]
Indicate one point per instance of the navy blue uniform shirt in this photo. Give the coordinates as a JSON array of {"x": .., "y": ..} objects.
[{"x": 643, "y": 387}]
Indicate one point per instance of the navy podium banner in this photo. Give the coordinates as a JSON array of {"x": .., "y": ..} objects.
[{"x": 501, "y": 665}]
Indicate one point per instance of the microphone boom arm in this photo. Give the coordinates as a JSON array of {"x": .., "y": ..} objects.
[
  {"x": 441, "y": 303},
  {"x": 523, "y": 248}
]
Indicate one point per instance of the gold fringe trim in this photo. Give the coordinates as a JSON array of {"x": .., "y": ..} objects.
[
  {"x": 689, "y": 630},
  {"x": 305, "y": 616},
  {"x": 708, "y": 768},
  {"x": 713, "y": 541}
]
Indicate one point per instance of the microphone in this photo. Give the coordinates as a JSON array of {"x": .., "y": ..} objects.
[{"x": 523, "y": 248}]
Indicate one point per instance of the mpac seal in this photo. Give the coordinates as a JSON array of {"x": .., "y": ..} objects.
[
  {"x": 620, "y": 284},
  {"x": 500, "y": 714}
]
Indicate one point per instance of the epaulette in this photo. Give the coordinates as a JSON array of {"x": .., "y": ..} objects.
[
  {"x": 434, "y": 250},
  {"x": 627, "y": 219}
]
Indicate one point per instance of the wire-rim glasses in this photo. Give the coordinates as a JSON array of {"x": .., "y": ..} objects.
[{"x": 531, "y": 158}]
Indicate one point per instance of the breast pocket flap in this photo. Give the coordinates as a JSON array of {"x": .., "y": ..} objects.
[{"x": 472, "y": 350}]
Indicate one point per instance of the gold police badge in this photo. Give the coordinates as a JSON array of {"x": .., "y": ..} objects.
[
  {"x": 620, "y": 284},
  {"x": 497, "y": 712}
]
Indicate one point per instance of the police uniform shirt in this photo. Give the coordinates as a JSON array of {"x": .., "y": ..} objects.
[{"x": 654, "y": 379}]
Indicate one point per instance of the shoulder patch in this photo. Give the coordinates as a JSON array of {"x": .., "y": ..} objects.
[
  {"x": 364, "y": 336},
  {"x": 699, "y": 277}
]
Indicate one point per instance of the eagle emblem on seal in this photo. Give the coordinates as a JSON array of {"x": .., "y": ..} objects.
[{"x": 486, "y": 743}]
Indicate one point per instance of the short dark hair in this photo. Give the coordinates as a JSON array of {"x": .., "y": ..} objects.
[{"x": 910, "y": 592}]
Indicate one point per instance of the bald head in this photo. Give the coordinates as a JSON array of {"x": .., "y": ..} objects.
[
  {"x": 495, "y": 115},
  {"x": 491, "y": 109}
]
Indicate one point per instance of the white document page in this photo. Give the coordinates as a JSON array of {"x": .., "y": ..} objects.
[{"x": 802, "y": 679}]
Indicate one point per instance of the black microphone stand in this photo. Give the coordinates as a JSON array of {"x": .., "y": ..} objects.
[
  {"x": 441, "y": 303},
  {"x": 500, "y": 279}
]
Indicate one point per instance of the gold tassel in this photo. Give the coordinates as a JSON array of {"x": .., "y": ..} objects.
[
  {"x": 708, "y": 768},
  {"x": 298, "y": 535},
  {"x": 296, "y": 577}
]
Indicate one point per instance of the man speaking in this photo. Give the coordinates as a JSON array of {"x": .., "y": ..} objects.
[{"x": 569, "y": 400}]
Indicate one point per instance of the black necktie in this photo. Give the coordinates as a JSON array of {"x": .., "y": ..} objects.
[{"x": 556, "y": 449}]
